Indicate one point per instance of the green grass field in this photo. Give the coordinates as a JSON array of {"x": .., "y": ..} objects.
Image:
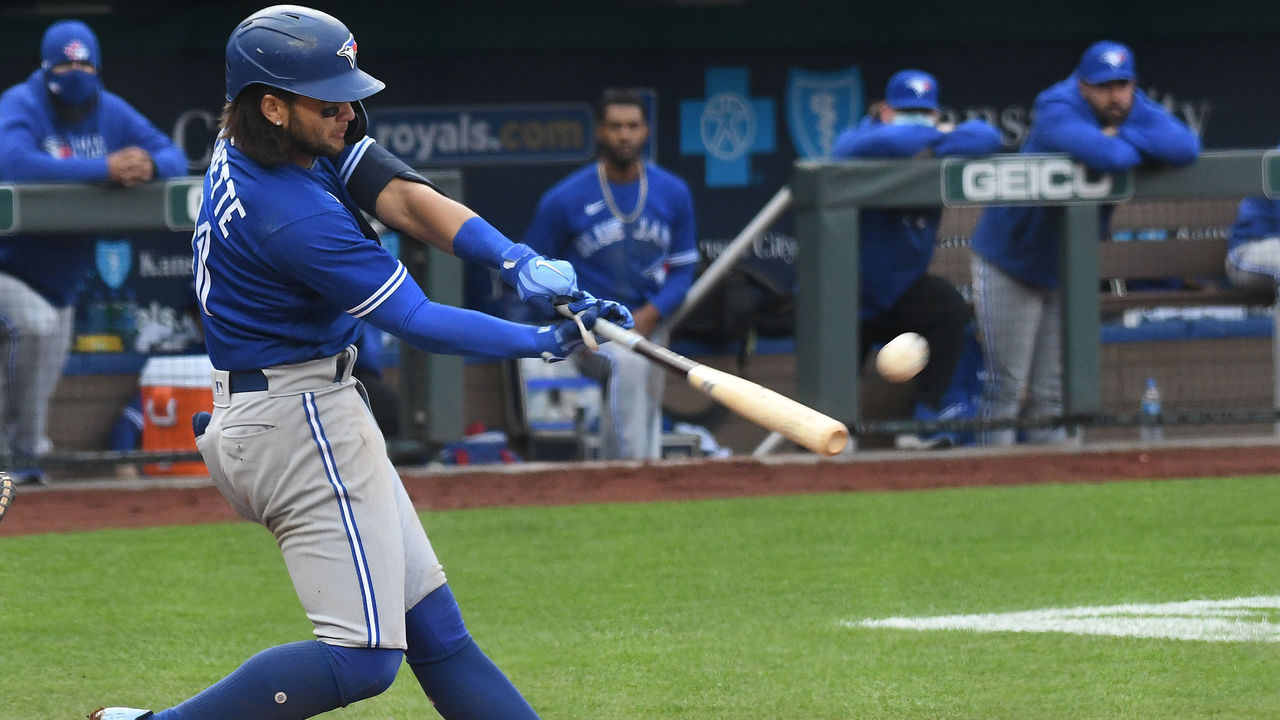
[{"x": 710, "y": 610}]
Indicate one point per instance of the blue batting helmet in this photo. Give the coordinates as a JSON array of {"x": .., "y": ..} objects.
[{"x": 297, "y": 49}]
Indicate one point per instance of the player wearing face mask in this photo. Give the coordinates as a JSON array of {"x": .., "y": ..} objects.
[
  {"x": 896, "y": 294},
  {"x": 59, "y": 126}
]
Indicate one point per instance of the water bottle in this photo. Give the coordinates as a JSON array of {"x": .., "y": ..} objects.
[{"x": 1150, "y": 421}]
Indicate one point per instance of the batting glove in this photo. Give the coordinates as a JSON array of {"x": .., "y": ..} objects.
[
  {"x": 559, "y": 341},
  {"x": 538, "y": 281},
  {"x": 614, "y": 312}
]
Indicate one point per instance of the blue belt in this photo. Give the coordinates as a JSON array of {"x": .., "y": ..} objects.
[
  {"x": 247, "y": 381},
  {"x": 242, "y": 381}
]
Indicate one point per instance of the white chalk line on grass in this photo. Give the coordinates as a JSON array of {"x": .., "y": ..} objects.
[{"x": 1250, "y": 619}]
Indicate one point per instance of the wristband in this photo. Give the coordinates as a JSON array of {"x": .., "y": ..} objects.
[{"x": 480, "y": 242}]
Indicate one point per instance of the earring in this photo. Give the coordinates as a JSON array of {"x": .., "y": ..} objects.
[{"x": 279, "y": 122}]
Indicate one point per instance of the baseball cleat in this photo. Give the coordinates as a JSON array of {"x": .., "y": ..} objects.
[{"x": 119, "y": 713}]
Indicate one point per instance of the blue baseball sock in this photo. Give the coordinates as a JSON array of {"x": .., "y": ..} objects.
[
  {"x": 461, "y": 681},
  {"x": 292, "y": 682}
]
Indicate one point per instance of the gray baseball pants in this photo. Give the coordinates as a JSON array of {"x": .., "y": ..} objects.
[
  {"x": 35, "y": 340},
  {"x": 1256, "y": 264},
  {"x": 1022, "y": 345},
  {"x": 304, "y": 457},
  {"x": 631, "y": 411}
]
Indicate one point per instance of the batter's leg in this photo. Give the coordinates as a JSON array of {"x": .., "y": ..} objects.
[
  {"x": 461, "y": 681},
  {"x": 293, "y": 682}
]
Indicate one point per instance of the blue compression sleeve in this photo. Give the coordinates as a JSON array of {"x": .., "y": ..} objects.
[
  {"x": 292, "y": 682},
  {"x": 439, "y": 328},
  {"x": 462, "y": 682},
  {"x": 480, "y": 242}
]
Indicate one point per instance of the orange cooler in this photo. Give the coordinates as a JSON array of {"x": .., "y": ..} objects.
[{"x": 173, "y": 389}]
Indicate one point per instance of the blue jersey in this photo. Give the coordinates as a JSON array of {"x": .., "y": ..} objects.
[
  {"x": 37, "y": 146},
  {"x": 650, "y": 259},
  {"x": 1023, "y": 241},
  {"x": 897, "y": 245},
  {"x": 273, "y": 252},
  {"x": 284, "y": 268}
]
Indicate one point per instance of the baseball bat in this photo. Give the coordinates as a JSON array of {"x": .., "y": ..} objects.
[
  {"x": 799, "y": 423},
  {"x": 6, "y": 493}
]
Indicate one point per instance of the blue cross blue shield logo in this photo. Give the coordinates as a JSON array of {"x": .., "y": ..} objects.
[
  {"x": 819, "y": 106},
  {"x": 114, "y": 258}
]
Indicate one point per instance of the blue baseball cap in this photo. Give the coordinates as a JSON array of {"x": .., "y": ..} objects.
[
  {"x": 69, "y": 41},
  {"x": 912, "y": 90},
  {"x": 1106, "y": 61}
]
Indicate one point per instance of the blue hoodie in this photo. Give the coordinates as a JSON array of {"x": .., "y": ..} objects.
[
  {"x": 897, "y": 245},
  {"x": 36, "y": 147},
  {"x": 1023, "y": 241},
  {"x": 1257, "y": 218}
]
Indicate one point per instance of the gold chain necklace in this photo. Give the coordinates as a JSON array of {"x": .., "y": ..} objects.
[{"x": 613, "y": 206}]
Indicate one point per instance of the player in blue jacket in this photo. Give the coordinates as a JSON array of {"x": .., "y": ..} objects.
[
  {"x": 59, "y": 126},
  {"x": 286, "y": 269},
  {"x": 627, "y": 226},
  {"x": 1100, "y": 118},
  {"x": 1253, "y": 259},
  {"x": 897, "y": 295}
]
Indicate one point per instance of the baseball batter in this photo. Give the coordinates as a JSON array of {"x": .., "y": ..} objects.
[
  {"x": 285, "y": 269},
  {"x": 1099, "y": 117},
  {"x": 627, "y": 226}
]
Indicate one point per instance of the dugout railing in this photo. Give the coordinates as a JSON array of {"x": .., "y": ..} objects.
[
  {"x": 430, "y": 387},
  {"x": 828, "y": 196}
]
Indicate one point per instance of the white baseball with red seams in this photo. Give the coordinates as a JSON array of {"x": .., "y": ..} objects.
[{"x": 902, "y": 357}]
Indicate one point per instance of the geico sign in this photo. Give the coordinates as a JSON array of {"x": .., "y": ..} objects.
[{"x": 1052, "y": 179}]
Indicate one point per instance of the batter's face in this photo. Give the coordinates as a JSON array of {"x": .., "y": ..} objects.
[
  {"x": 315, "y": 127},
  {"x": 622, "y": 134},
  {"x": 1110, "y": 101}
]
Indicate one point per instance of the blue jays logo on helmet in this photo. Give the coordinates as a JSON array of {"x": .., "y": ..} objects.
[
  {"x": 919, "y": 86},
  {"x": 300, "y": 50},
  {"x": 348, "y": 50}
]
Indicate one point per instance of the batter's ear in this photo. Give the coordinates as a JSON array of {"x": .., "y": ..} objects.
[
  {"x": 274, "y": 109},
  {"x": 357, "y": 128}
]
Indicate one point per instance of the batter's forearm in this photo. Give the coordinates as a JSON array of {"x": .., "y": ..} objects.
[{"x": 420, "y": 212}]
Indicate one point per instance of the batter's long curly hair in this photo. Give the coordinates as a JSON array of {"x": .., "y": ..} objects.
[{"x": 254, "y": 135}]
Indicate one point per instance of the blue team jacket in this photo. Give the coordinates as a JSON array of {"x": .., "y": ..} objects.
[
  {"x": 1023, "y": 241},
  {"x": 1257, "y": 218},
  {"x": 897, "y": 245},
  {"x": 35, "y": 147}
]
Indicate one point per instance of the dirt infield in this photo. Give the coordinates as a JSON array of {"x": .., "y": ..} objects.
[{"x": 69, "y": 506}]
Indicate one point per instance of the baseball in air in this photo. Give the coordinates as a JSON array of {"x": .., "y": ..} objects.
[{"x": 902, "y": 357}]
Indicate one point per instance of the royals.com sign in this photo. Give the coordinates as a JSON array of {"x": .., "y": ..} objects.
[
  {"x": 1029, "y": 179},
  {"x": 486, "y": 134}
]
